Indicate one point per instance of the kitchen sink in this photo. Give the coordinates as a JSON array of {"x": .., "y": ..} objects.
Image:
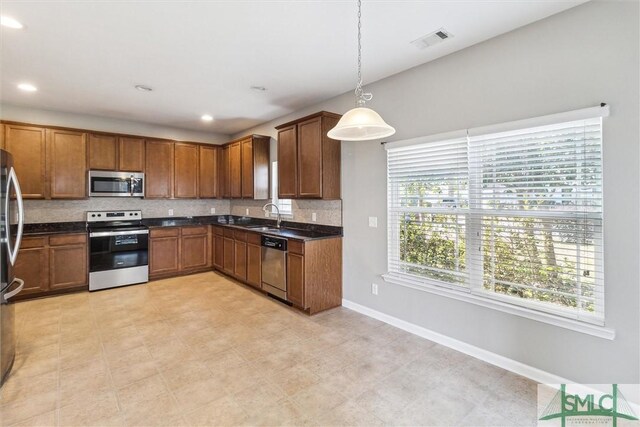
[{"x": 263, "y": 228}]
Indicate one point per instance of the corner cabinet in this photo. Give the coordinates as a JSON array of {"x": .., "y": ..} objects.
[
  {"x": 244, "y": 168},
  {"x": 308, "y": 160}
]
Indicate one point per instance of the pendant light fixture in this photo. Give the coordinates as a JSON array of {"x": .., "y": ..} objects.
[{"x": 360, "y": 123}]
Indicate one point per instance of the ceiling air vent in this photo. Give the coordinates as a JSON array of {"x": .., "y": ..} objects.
[{"x": 432, "y": 39}]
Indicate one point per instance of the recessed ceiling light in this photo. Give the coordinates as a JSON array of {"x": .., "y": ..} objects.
[
  {"x": 9, "y": 22},
  {"x": 258, "y": 88},
  {"x": 143, "y": 88},
  {"x": 27, "y": 87},
  {"x": 206, "y": 117}
]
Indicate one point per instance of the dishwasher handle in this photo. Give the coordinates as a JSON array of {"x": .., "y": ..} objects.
[{"x": 274, "y": 243}]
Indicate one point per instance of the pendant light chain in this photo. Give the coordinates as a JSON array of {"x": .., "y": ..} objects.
[{"x": 361, "y": 97}]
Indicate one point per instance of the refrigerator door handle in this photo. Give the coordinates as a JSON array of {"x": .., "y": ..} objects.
[
  {"x": 13, "y": 252},
  {"x": 16, "y": 291}
]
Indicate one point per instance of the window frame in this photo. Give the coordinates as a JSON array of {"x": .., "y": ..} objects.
[{"x": 474, "y": 291}]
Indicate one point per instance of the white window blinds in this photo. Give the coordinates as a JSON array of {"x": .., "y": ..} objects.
[{"x": 514, "y": 216}]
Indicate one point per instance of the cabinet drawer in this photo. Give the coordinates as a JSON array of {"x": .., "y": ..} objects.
[
  {"x": 228, "y": 232},
  {"x": 191, "y": 231},
  {"x": 33, "y": 242},
  {"x": 240, "y": 235},
  {"x": 164, "y": 232},
  {"x": 68, "y": 239},
  {"x": 218, "y": 230},
  {"x": 296, "y": 247},
  {"x": 253, "y": 238}
]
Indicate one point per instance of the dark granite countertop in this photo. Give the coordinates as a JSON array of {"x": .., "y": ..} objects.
[
  {"x": 54, "y": 228},
  {"x": 289, "y": 229}
]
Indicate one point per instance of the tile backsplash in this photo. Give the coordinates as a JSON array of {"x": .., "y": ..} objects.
[
  {"x": 74, "y": 210},
  {"x": 328, "y": 212}
]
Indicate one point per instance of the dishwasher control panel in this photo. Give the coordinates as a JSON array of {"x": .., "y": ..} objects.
[{"x": 274, "y": 243}]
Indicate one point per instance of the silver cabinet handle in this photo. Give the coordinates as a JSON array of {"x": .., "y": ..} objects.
[
  {"x": 13, "y": 252},
  {"x": 16, "y": 291}
]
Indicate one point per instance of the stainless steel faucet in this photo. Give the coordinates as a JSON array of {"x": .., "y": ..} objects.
[{"x": 279, "y": 219}]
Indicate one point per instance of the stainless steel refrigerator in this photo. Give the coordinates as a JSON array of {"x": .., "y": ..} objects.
[{"x": 11, "y": 225}]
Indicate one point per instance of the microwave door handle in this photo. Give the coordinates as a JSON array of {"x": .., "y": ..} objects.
[{"x": 13, "y": 252}]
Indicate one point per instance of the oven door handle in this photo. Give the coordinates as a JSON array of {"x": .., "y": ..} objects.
[{"x": 117, "y": 233}]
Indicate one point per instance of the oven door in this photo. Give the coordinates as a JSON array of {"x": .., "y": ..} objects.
[{"x": 111, "y": 250}]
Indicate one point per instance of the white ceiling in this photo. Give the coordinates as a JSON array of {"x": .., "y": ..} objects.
[{"x": 202, "y": 57}]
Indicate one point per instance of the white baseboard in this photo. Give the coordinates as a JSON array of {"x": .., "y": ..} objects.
[{"x": 514, "y": 366}]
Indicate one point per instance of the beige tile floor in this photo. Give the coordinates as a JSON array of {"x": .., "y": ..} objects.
[{"x": 204, "y": 350}]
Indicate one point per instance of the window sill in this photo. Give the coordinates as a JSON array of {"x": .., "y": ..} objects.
[{"x": 551, "y": 319}]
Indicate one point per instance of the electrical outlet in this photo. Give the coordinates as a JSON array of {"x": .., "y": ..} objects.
[
  {"x": 213, "y": 210},
  {"x": 246, "y": 211},
  {"x": 373, "y": 221},
  {"x": 314, "y": 217},
  {"x": 170, "y": 212},
  {"x": 266, "y": 213},
  {"x": 374, "y": 289}
]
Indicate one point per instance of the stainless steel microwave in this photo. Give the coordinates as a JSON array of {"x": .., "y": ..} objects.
[{"x": 116, "y": 184}]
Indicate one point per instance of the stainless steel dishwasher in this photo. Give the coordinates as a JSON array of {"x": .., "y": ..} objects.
[{"x": 274, "y": 266}]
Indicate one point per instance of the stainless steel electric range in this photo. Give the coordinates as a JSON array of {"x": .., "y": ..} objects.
[{"x": 118, "y": 249}]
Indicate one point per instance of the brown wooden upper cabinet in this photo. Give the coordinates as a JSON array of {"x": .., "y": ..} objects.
[
  {"x": 235, "y": 170},
  {"x": 159, "y": 170},
  {"x": 186, "y": 170},
  {"x": 208, "y": 172},
  {"x": 116, "y": 153},
  {"x": 130, "y": 154},
  {"x": 308, "y": 160},
  {"x": 67, "y": 163},
  {"x": 27, "y": 145},
  {"x": 244, "y": 168},
  {"x": 223, "y": 173}
]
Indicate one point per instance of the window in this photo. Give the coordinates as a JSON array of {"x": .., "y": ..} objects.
[
  {"x": 514, "y": 216},
  {"x": 284, "y": 204}
]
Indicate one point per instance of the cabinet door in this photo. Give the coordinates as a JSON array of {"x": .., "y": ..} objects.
[
  {"x": 159, "y": 170},
  {"x": 67, "y": 159},
  {"x": 235, "y": 171},
  {"x": 247, "y": 168},
  {"x": 163, "y": 255},
  {"x": 27, "y": 146},
  {"x": 310, "y": 158},
  {"x": 130, "y": 154},
  {"x": 208, "y": 182},
  {"x": 218, "y": 252},
  {"x": 68, "y": 266},
  {"x": 240, "y": 260},
  {"x": 295, "y": 279},
  {"x": 228, "y": 260},
  {"x": 32, "y": 266},
  {"x": 195, "y": 252},
  {"x": 223, "y": 174},
  {"x": 103, "y": 152},
  {"x": 287, "y": 162},
  {"x": 254, "y": 265},
  {"x": 186, "y": 171}
]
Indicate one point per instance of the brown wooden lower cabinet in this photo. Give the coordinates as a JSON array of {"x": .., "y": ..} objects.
[
  {"x": 179, "y": 250},
  {"x": 254, "y": 260},
  {"x": 195, "y": 248},
  {"x": 52, "y": 264},
  {"x": 218, "y": 248},
  {"x": 314, "y": 274},
  {"x": 228, "y": 248}
]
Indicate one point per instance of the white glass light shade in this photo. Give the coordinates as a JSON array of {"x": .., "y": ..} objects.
[{"x": 360, "y": 124}]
